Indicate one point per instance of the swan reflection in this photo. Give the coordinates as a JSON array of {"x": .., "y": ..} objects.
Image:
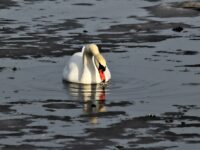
[{"x": 93, "y": 97}]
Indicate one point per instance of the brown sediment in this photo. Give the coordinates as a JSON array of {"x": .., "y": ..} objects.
[
  {"x": 179, "y": 52},
  {"x": 83, "y": 4},
  {"x": 189, "y": 5},
  {"x": 190, "y": 66},
  {"x": 171, "y": 10},
  {"x": 149, "y": 27}
]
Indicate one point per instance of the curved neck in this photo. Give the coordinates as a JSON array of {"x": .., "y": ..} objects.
[
  {"x": 88, "y": 69},
  {"x": 87, "y": 59}
]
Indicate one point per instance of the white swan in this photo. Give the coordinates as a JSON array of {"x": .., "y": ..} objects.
[{"x": 87, "y": 67}]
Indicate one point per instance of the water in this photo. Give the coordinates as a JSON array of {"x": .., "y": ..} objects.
[{"x": 152, "y": 100}]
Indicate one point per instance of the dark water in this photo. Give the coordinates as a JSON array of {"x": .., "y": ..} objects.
[{"x": 152, "y": 49}]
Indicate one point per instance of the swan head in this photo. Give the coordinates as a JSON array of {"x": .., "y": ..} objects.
[
  {"x": 99, "y": 60},
  {"x": 100, "y": 63}
]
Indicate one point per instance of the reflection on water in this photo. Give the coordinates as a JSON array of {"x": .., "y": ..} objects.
[
  {"x": 86, "y": 92},
  {"x": 93, "y": 97}
]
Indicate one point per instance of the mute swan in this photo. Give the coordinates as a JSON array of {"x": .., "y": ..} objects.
[{"x": 87, "y": 67}]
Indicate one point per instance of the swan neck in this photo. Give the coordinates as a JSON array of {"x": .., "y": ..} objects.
[{"x": 87, "y": 58}]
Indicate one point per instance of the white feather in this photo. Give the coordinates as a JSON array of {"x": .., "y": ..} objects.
[{"x": 78, "y": 72}]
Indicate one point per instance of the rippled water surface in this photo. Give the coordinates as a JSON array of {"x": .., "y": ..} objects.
[{"x": 152, "y": 50}]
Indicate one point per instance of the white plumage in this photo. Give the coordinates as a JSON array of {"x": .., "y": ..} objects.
[{"x": 87, "y": 67}]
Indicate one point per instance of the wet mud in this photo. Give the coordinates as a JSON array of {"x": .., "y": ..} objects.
[{"x": 152, "y": 49}]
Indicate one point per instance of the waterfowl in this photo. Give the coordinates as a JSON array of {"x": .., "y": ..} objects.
[{"x": 87, "y": 67}]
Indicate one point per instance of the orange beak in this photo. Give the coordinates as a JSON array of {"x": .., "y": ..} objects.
[{"x": 102, "y": 75}]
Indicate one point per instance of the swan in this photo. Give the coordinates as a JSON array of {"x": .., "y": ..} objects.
[{"x": 87, "y": 67}]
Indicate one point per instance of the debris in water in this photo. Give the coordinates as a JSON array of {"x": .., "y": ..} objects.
[
  {"x": 85, "y": 31},
  {"x": 169, "y": 120},
  {"x": 14, "y": 69},
  {"x": 178, "y": 29},
  {"x": 103, "y": 84},
  {"x": 183, "y": 123},
  {"x": 119, "y": 146},
  {"x": 151, "y": 115}
]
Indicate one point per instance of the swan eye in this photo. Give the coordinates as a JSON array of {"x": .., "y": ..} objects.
[{"x": 101, "y": 67}]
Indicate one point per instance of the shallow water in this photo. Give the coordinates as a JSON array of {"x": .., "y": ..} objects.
[{"x": 152, "y": 101}]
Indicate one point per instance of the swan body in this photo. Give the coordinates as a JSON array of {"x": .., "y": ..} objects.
[{"x": 87, "y": 67}]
